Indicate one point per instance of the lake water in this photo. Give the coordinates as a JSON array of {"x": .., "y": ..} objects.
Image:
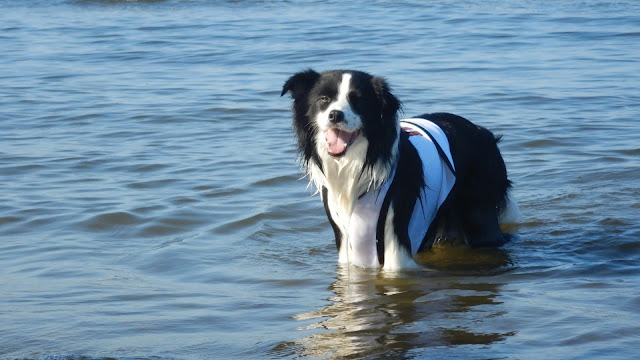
[{"x": 152, "y": 206}]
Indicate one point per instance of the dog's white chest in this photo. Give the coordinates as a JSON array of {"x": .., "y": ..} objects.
[{"x": 361, "y": 236}]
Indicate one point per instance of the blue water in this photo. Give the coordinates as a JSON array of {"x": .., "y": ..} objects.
[{"x": 152, "y": 205}]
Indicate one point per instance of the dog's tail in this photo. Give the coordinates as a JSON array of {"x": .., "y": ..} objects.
[{"x": 511, "y": 213}]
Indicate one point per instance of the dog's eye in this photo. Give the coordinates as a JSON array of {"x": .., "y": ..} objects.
[{"x": 324, "y": 99}]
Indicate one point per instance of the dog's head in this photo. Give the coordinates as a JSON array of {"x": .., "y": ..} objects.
[{"x": 343, "y": 114}]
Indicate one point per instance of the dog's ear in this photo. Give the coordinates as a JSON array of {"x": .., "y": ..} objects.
[
  {"x": 300, "y": 83},
  {"x": 390, "y": 104}
]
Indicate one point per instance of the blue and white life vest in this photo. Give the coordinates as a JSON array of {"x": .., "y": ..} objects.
[{"x": 439, "y": 177}]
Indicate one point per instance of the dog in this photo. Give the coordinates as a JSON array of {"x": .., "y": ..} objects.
[{"x": 393, "y": 188}]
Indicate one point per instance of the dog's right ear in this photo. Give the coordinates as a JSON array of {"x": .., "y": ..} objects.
[
  {"x": 390, "y": 104},
  {"x": 300, "y": 83}
]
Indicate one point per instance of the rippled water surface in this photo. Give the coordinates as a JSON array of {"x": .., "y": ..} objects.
[{"x": 152, "y": 205}]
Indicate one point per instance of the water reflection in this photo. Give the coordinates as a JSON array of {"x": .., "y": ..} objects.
[{"x": 405, "y": 314}]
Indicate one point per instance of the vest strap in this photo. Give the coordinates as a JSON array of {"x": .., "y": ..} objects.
[
  {"x": 438, "y": 147},
  {"x": 382, "y": 221}
]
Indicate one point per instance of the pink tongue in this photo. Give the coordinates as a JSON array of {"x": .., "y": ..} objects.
[{"x": 337, "y": 140}]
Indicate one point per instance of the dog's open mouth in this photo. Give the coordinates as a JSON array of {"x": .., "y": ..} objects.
[{"x": 339, "y": 140}]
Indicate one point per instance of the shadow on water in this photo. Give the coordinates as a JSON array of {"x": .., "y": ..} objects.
[{"x": 401, "y": 315}]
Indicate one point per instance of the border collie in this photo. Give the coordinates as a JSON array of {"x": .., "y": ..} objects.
[{"x": 393, "y": 188}]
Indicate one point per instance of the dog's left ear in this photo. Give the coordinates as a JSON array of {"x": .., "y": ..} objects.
[
  {"x": 300, "y": 83},
  {"x": 390, "y": 104}
]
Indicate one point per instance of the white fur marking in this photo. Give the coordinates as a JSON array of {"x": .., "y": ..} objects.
[
  {"x": 511, "y": 213},
  {"x": 341, "y": 103},
  {"x": 395, "y": 256}
]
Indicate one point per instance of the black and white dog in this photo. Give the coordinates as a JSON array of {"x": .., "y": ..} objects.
[{"x": 392, "y": 188}]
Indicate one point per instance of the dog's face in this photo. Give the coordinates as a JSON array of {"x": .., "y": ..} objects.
[
  {"x": 343, "y": 113},
  {"x": 334, "y": 113}
]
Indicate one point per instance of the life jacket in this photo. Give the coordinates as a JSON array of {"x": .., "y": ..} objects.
[{"x": 370, "y": 210}]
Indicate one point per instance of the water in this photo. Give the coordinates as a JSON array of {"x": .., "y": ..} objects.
[{"x": 152, "y": 207}]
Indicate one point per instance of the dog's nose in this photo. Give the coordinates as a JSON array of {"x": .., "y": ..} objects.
[{"x": 336, "y": 116}]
